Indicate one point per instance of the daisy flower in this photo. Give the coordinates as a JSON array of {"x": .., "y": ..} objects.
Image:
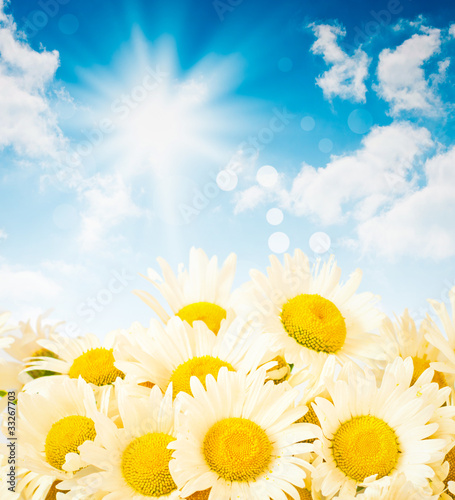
[
  {"x": 445, "y": 344},
  {"x": 238, "y": 439},
  {"x": 176, "y": 352},
  {"x": 22, "y": 346},
  {"x": 26, "y": 345},
  {"x": 311, "y": 315},
  {"x": 372, "y": 434},
  {"x": 84, "y": 357},
  {"x": 201, "y": 293},
  {"x": 53, "y": 424},
  {"x": 402, "y": 339},
  {"x": 133, "y": 462}
]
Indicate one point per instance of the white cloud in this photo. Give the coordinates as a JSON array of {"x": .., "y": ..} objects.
[
  {"x": 2, "y": 10},
  {"x": 61, "y": 267},
  {"x": 346, "y": 77},
  {"x": 400, "y": 204},
  {"x": 420, "y": 224},
  {"x": 29, "y": 127},
  {"x": 401, "y": 75},
  {"x": 108, "y": 202},
  {"x": 27, "y": 292},
  {"x": 19, "y": 286},
  {"x": 27, "y": 123},
  {"x": 362, "y": 182},
  {"x": 243, "y": 161},
  {"x": 250, "y": 198},
  {"x": 3, "y": 234},
  {"x": 396, "y": 211},
  {"x": 452, "y": 30},
  {"x": 356, "y": 184}
]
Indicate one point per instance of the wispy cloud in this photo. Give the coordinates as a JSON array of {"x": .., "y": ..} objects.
[
  {"x": 30, "y": 129},
  {"x": 397, "y": 202},
  {"x": 401, "y": 74},
  {"x": 27, "y": 123},
  {"x": 251, "y": 198},
  {"x": 347, "y": 74},
  {"x": 421, "y": 223},
  {"x": 108, "y": 202},
  {"x": 352, "y": 185},
  {"x": 394, "y": 192},
  {"x": 60, "y": 267},
  {"x": 359, "y": 184},
  {"x": 20, "y": 285}
]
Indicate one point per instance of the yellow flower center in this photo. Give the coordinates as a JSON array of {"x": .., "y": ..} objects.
[
  {"x": 65, "y": 436},
  {"x": 314, "y": 322},
  {"x": 450, "y": 457},
  {"x": 96, "y": 366},
  {"x": 420, "y": 365},
  {"x": 198, "y": 367},
  {"x": 145, "y": 465},
  {"x": 42, "y": 353},
  {"x": 303, "y": 492},
  {"x": 237, "y": 449},
  {"x": 364, "y": 446},
  {"x": 210, "y": 314}
]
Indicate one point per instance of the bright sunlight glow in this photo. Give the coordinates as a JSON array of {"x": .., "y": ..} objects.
[{"x": 163, "y": 117}]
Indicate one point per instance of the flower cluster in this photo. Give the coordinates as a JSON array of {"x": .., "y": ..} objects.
[{"x": 293, "y": 386}]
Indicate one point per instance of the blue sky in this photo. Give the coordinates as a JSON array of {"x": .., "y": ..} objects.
[{"x": 132, "y": 130}]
